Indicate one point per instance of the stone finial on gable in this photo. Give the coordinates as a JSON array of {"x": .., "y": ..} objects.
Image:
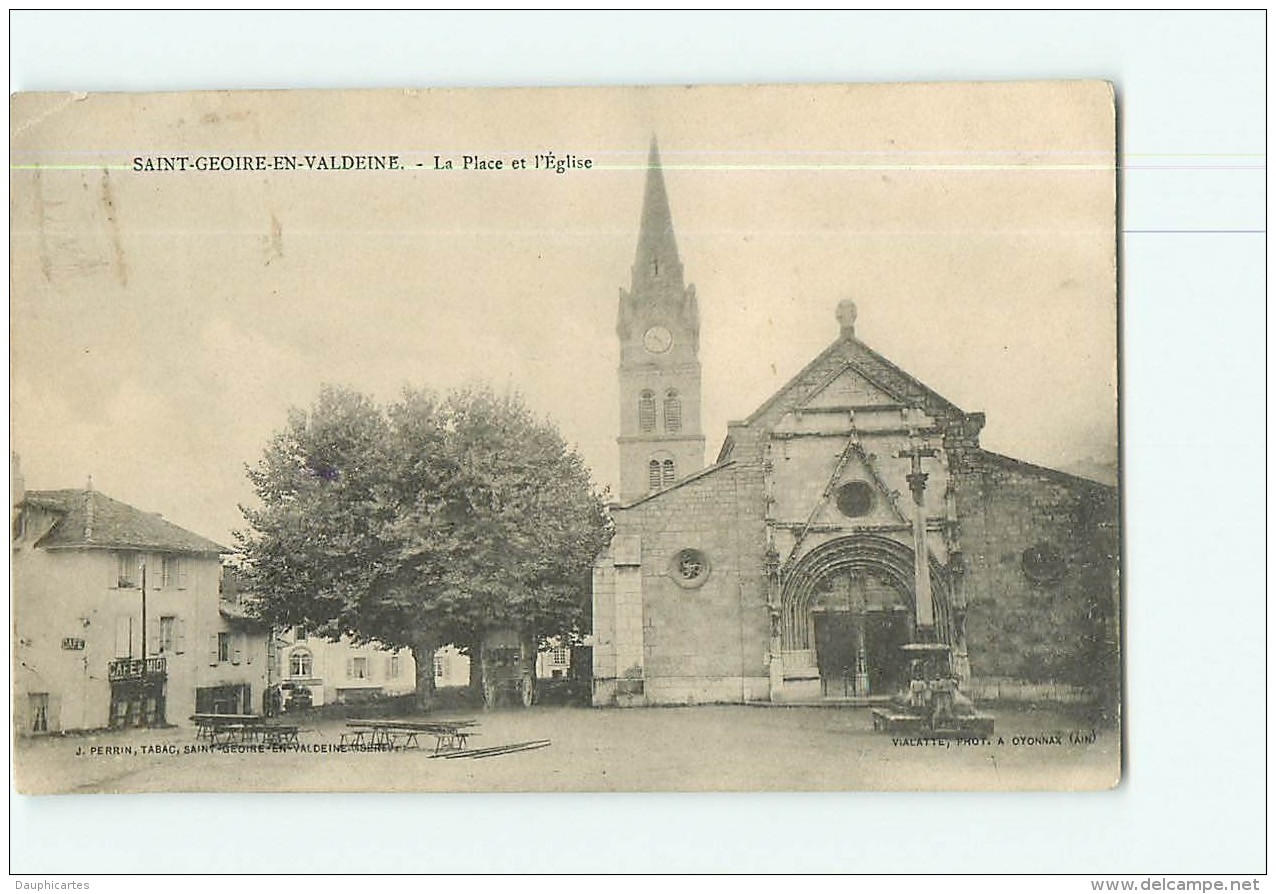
[{"x": 846, "y": 314}]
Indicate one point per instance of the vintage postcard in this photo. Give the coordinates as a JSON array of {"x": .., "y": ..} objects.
[{"x": 604, "y": 439}]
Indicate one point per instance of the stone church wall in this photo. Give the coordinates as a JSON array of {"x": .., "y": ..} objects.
[
  {"x": 706, "y": 640},
  {"x": 1040, "y": 549}
]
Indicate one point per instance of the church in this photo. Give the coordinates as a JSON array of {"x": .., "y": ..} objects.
[{"x": 851, "y": 513}]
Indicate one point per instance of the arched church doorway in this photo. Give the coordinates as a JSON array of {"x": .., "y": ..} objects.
[
  {"x": 846, "y": 608},
  {"x": 858, "y": 622}
]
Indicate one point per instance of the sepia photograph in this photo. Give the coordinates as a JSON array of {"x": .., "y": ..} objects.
[{"x": 607, "y": 439}]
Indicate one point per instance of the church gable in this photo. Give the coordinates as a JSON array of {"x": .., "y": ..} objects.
[
  {"x": 850, "y": 375},
  {"x": 849, "y": 389},
  {"x": 837, "y": 481},
  {"x": 859, "y": 496}
]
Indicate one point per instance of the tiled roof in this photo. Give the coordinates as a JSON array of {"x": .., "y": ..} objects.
[
  {"x": 686, "y": 479},
  {"x": 1047, "y": 472},
  {"x": 92, "y": 519}
]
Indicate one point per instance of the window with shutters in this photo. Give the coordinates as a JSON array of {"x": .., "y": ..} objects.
[
  {"x": 653, "y": 475},
  {"x": 124, "y": 637},
  {"x": 673, "y": 411},
  {"x": 647, "y": 411},
  {"x": 168, "y": 633},
  {"x": 223, "y": 647},
  {"x": 173, "y": 572},
  {"x": 666, "y": 473},
  {"x": 126, "y": 569}
]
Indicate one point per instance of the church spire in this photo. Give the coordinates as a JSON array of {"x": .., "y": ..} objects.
[
  {"x": 659, "y": 375},
  {"x": 656, "y": 261}
]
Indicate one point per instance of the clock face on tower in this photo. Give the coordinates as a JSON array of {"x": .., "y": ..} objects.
[{"x": 657, "y": 340}]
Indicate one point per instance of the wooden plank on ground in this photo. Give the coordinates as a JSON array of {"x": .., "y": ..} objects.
[{"x": 495, "y": 749}]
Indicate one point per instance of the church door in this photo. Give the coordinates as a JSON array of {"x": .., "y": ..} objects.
[
  {"x": 837, "y": 636},
  {"x": 884, "y": 633},
  {"x": 859, "y": 621}
]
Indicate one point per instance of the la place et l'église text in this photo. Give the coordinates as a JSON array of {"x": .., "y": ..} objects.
[{"x": 165, "y": 163}]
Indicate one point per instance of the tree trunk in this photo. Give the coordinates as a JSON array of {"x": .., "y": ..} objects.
[
  {"x": 476, "y": 673},
  {"x": 527, "y": 642},
  {"x": 423, "y": 655},
  {"x": 486, "y": 685}
]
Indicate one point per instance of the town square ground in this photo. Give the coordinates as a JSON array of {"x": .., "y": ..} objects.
[{"x": 708, "y": 748}]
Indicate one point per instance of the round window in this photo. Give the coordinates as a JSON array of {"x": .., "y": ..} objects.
[
  {"x": 1043, "y": 564},
  {"x": 855, "y": 498},
  {"x": 690, "y": 567}
]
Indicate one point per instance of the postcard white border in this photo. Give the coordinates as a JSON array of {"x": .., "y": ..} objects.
[{"x": 1194, "y": 396}]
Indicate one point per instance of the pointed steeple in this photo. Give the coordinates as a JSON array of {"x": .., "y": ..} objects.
[
  {"x": 656, "y": 261},
  {"x": 658, "y": 325}
]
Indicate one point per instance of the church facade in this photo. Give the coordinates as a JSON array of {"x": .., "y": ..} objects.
[{"x": 787, "y": 570}]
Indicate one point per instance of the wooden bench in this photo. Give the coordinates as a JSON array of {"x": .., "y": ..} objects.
[
  {"x": 377, "y": 734},
  {"x": 228, "y": 729},
  {"x": 448, "y": 735},
  {"x": 358, "y": 736},
  {"x": 213, "y": 726},
  {"x": 278, "y": 734}
]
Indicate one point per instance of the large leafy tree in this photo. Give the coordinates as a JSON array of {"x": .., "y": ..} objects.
[{"x": 427, "y": 522}]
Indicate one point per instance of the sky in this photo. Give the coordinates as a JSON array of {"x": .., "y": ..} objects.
[{"x": 162, "y": 324}]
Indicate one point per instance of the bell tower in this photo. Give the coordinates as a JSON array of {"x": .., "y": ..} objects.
[{"x": 659, "y": 330}]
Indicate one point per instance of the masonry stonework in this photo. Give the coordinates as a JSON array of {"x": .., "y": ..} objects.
[
  {"x": 1057, "y": 625},
  {"x": 787, "y": 570}
]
